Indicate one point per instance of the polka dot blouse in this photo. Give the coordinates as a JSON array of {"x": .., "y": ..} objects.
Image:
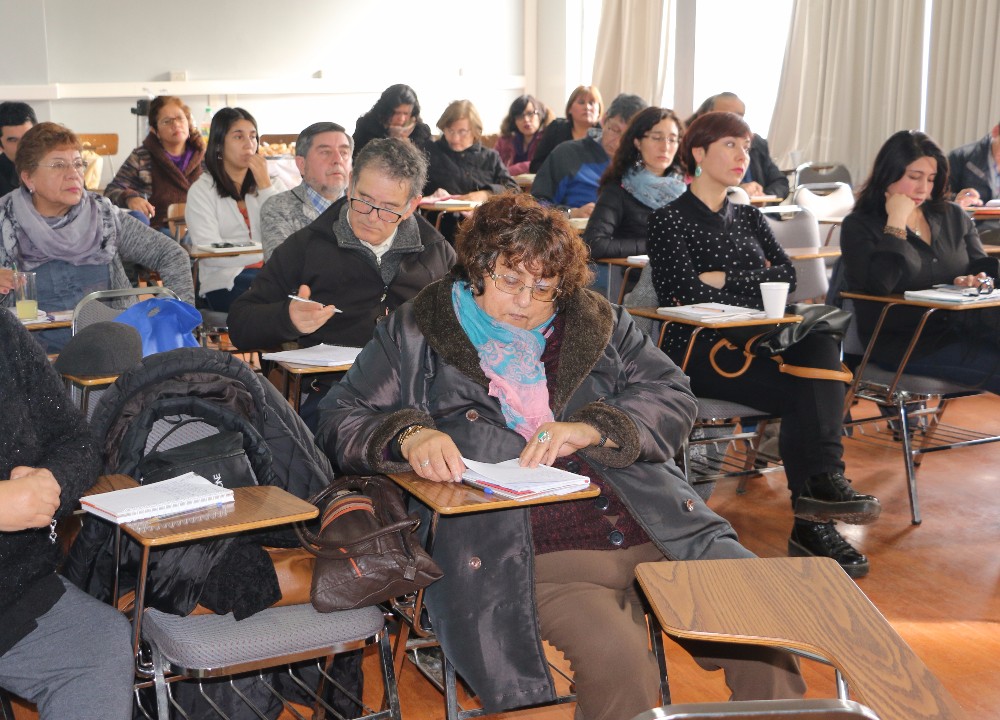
[{"x": 687, "y": 238}]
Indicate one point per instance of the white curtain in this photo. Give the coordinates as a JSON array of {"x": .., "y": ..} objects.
[
  {"x": 632, "y": 47},
  {"x": 963, "y": 95},
  {"x": 850, "y": 78}
]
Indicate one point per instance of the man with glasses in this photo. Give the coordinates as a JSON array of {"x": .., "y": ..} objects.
[
  {"x": 571, "y": 174},
  {"x": 16, "y": 118},
  {"x": 323, "y": 156},
  {"x": 357, "y": 262}
]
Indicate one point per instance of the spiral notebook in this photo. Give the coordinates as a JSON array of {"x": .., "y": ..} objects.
[{"x": 168, "y": 497}]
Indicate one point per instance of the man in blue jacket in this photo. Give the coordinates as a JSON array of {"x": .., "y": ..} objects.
[{"x": 571, "y": 174}]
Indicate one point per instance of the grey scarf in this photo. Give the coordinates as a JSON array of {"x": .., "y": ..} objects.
[{"x": 86, "y": 235}]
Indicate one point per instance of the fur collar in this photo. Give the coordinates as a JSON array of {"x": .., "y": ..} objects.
[{"x": 589, "y": 322}]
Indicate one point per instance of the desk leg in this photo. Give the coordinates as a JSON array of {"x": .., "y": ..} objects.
[
  {"x": 140, "y": 600},
  {"x": 296, "y": 398}
]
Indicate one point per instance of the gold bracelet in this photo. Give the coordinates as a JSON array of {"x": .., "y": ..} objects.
[
  {"x": 407, "y": 434},
  {"x": 895, "y": 232}
]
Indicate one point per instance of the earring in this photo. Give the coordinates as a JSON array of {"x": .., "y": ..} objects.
[
  {"x": 697, "y": 171},
  {"x": 639, "y": 164}
]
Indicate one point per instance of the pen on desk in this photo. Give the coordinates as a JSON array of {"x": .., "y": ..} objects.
[
  {"x": 296, "y": 298},
  {"x": 477, "y": 486}
]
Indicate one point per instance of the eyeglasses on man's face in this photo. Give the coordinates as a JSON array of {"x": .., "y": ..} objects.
[
  {"x": 512, "y": 285},
  {"x": 60, "y": 166},
  {"x": 363, "y": 207}
]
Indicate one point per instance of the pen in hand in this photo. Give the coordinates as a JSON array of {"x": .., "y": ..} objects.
[{"x": 296, "y": 298}]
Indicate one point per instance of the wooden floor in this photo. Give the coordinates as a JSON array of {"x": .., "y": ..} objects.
[{"x": 937, "y": 583}]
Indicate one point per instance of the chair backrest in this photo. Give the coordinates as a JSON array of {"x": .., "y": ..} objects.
[
  {"x": 826, "y": 199},
  {"x": 738, "y": 196},
  {"x": 821, "y": 172},
  {"x": 489, "y": 140},
  {"x": 99, "y": 306},
  {"x": 796, "y": 227},
  {"x": 812, "y": 709},
  {"x": 175, "y": 220}
]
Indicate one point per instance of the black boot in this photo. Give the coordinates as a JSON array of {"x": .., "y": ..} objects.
[
  {"x": 823, "y": 540},
  {"x": 829, "y": 496}
]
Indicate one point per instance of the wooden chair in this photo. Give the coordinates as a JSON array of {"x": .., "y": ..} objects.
[
  {"x": 103, "y": 144},
  {"x": 808, "y": 606},
  {"x": 911, "y": 406}
]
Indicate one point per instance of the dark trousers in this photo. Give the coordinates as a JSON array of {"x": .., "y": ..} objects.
[{"x": 811, "y": 411}]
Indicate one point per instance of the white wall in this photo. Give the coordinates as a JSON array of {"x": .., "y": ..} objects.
[{"x": 86, "y": 63}]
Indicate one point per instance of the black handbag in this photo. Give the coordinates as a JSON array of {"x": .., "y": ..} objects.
[
  {"x": 219, "y": 457},
  {"x": 365, "y": 550},
  {"x": 771, "y": 343}
]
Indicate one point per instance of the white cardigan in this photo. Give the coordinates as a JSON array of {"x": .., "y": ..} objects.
[{"x": 211, "y": 219}]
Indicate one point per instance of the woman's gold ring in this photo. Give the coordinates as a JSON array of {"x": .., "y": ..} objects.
[{"x": 544, "y": 436}]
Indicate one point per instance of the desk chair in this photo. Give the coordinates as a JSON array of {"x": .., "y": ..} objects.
[
  {"x": 104, "y": 145},
  {"x": 453, "y": 499},
  {"x": 100, "y": 306},
  {"x": 726, "y": 439},
  {"x": 797, "y": 227},
  {"x": 810, "y": 173},
  {"x": 911, "y": 406},
  {"x": 808, "y": 606},
  {"x": 201, "y": 646}
]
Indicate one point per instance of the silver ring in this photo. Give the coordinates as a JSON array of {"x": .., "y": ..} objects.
[
  {"x": 544, "y": 436},
  {"x": 425, "y": 463}
]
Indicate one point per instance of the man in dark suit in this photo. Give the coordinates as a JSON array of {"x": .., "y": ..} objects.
[
  {"x": 973, "y": 173},
  {"x": 16, "y": 118}
]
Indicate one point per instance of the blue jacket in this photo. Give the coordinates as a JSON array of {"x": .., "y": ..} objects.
[{"x": 571, "y": 175}]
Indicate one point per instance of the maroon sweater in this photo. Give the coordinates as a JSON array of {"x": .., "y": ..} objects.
[{"x": 599, "y": 523}]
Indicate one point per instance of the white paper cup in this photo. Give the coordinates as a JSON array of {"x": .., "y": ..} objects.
[{"x": 774, "y": 295}]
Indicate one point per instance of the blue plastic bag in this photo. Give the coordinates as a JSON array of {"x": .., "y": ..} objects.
[{"x": 163, "y": 324}]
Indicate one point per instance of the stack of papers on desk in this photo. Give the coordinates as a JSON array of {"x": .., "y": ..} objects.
[
  {"x": 47, "y": 317},
  {"x": 510, "y": 480},
  {"x": 321, "y": 355},
  {"x": 711, "y": 312},
  {"x": 450, "y": 202},
  {"x": 159, "y": 499},
  {"x": 953, "y": 294},
  {"x": 233, "y": 247}
]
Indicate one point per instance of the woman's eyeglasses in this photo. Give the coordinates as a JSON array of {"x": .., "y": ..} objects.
[
  {"x": 529, "y": 115},
  {"x": 164, "y": 122},
  {"x": 77, "y": 166},
  {"x": 512, "y": 285}
]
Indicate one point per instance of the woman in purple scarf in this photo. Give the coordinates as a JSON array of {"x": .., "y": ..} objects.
[{"x": 159, "y": 172}]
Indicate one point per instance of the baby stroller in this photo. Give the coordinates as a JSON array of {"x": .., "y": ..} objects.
[{"x": 179, "y": 400}]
